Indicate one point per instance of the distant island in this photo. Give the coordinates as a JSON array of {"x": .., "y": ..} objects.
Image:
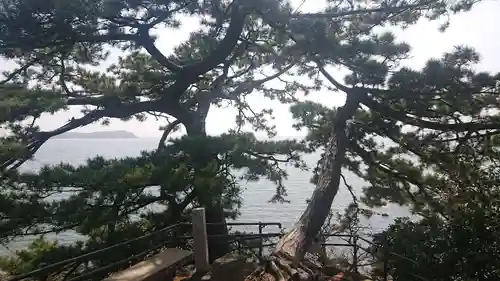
[{"x": 97, "y": 135}]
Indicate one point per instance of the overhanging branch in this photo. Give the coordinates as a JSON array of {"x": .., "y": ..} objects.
[
  {"x": 369, "y": 159},
  {"x": 403, "y": 117},
  {"x": 170, "y": 127},
  {"x": 361, "y": 11},
  {"x": 40, "y": 43},
  {"x": 330, "y": 78},
  {"x": 118, "y": 110},
  {"x": 147, "y": 42},
  {"x": 191, "y": 73}
]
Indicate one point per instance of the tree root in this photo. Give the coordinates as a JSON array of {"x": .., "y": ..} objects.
[{"x": 280, "y": 268}]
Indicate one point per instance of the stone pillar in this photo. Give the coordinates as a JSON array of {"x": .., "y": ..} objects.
[{"x": 200, "y": 240}]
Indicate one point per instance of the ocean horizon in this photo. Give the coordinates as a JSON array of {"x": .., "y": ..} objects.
[{"x": 256, "y": 195}]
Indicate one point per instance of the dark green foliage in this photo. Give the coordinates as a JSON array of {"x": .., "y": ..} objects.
[
  {"x": 407, "y": 141},
  {"x": 465, "y": 247},
  {"x": 426, "y": 139},
  {"x": 61, "y": 50},
  {"x": 110, "y": 201}
]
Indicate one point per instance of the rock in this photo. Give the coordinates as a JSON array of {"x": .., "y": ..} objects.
[{"x": 232, "y": 267}]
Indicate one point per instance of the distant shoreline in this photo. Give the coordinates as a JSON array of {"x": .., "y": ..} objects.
[{"x": 97, "y": 135}]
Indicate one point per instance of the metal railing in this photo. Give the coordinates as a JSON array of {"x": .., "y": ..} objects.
[
  {"x": 355, "y": 242},
  {"x": 386, "y": 254},
  {"x": 67, "y": 268},
  {"x": 357, "y": 247},
  {"x": 75, "y": 262}
]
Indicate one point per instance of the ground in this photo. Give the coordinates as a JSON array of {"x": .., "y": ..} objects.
[{"x": 234, "y": 267}]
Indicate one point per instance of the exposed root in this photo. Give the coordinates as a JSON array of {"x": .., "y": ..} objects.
[{"x": 280, "y": 268}]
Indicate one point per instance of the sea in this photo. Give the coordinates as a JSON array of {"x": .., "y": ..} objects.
[{"x": 256, "y": 195}]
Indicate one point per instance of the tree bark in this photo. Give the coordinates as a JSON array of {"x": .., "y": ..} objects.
[
  {"x": 295, "y": 244},
  {"x": 214, "y": 210},
  {"x": 287, "y": 261},
  {"x": 217, "y": 246}
]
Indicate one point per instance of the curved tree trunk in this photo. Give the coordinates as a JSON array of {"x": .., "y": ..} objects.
[
  {"x": 287, "y": 259},
  {"x": 295, "y": 244}
]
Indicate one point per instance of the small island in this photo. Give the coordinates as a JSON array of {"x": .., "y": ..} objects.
[{"x": 97, "y": 135}]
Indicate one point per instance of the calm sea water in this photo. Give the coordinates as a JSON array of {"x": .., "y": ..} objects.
[{"x": 256, "y": 194}]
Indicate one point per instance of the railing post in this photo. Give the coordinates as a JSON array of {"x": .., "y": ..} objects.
[
  {"x": 261, "y": 242},
  {"x": 200, "y": 240}
]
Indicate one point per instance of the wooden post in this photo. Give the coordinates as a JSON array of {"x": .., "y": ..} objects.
[{"x": 200, "y": 240}]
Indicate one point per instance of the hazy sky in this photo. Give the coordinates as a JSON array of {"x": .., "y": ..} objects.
[{"x": 477, "y": 28}]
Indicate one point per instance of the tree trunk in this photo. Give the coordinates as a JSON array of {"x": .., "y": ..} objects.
[
  {"x": 217, "y": 246},
  {"x": 214, "y": 210},
  {"x": 287, "y": 261},
  {"x": 295, "y": 244}
]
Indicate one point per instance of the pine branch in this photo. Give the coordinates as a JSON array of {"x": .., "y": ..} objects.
[
  {"x": 363, "y": 11},
  {"x": 147, "y": 42},
  {"x": 370, "y": 160},
  {"x": 170, "y": 127},
  {"x": 402, "y": 116},
  {"x": 191, "y": 73}
]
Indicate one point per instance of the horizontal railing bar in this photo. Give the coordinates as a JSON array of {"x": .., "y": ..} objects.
[
  {"x": 366, "y": 240},
  {"x": 336, "y": 244},
  {"x": 248, "y": 223},
  {"x": 338, "y": 235},
  {"x": 238, "y": 223},
  {"x": 258, "y": 236},
  {"x": 257, "y": 246},
  {"x": 246, "y": 236},
  {"x": 249, "y": 236},
  {"x": 89, "y": 255},
  {"x": 324, "y": 244}
]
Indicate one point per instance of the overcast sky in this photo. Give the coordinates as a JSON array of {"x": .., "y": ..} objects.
[{"x": 477, "y": 28}]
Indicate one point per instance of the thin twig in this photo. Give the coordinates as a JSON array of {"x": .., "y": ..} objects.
[{"x": 349, "y": 187}]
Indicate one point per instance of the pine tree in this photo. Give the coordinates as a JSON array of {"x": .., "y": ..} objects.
[
  {"x": 57, "y": 48},
  {"x": 425, "y": 139},
  {"x": 52, "y": 41}
]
